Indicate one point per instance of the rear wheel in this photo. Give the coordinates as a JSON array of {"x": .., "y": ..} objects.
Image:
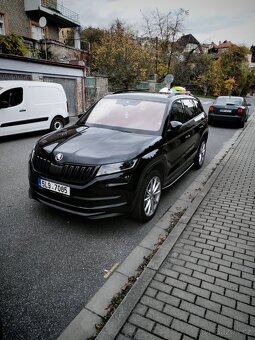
[
  {"x": 200, "y": 156},
  {"x": 149, "y": 197},
  {"x": 57, "y": 124}
]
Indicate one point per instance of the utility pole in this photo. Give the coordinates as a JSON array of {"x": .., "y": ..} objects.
[{"x": 156, "y": 62}]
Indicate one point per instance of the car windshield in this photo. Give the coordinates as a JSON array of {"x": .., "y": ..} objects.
[
  {"x": 228, "y": 101},
  {"x": 141, "y": 116}
]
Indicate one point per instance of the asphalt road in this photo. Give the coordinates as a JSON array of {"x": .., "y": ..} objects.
[{"x": 52, "y": 263}]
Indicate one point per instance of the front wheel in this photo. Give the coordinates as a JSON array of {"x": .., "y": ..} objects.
[
  {"x": 149, "y": 197},
  {"x": 57, "y": 124},
  {"x": 200, "y": 156}
]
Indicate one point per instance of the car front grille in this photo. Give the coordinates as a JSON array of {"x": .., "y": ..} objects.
[{"x": 77, "y": 174}]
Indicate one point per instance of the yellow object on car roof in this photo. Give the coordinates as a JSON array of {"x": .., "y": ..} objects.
[{"x": 178, "y": 89}]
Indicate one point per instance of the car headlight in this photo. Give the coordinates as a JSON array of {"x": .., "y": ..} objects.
[{"x": 108, "y": 169}]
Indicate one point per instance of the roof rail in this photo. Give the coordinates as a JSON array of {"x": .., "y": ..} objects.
[
  {"x": 187, "y": 93},
  {"x": 129, "y": 90}
]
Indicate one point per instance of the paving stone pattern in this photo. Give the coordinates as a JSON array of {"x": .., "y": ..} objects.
[{"x": 205, "y": 287}]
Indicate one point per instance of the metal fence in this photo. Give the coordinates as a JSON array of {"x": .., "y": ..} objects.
[
  {"x": 15, "y": 76},
  {"x": 149, "y": 86},
  {"x": 66, "y": 12},
  {"x": 95, "y": 88}
]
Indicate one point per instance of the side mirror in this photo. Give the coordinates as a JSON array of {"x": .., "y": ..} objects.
[
  {"x": 4, "y": 104},
  {"x": 175, "y": 125}
]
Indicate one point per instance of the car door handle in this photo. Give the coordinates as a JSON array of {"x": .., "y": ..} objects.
[
  {"x": 22, "y": 110},
  {"x": 187, "y": 136}
]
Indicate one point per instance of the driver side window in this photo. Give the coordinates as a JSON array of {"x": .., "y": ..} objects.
[{"x": 12, "y": 97}]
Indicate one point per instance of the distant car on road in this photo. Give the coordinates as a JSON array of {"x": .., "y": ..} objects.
[
  {"x": 229, "y": 109},
  {"x": 120, "y": 155}
]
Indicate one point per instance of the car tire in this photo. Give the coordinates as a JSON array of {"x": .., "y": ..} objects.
[
  {"x": 241, "y": 124},
  {"x": 148, "y": 197},
  {"x": 200, "y": 156},
  {"x": 57, "y": 124}
]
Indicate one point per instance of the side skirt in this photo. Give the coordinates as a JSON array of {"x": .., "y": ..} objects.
[{"x": 168, "y": 185}]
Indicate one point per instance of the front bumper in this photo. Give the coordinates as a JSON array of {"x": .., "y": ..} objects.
[{"x": 103, "y": 196}]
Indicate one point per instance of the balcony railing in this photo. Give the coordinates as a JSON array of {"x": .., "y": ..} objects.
[{"x": 59, "y": 8}]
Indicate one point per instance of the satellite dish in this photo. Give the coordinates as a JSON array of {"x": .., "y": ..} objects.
[{"x": 42, "y": 22}]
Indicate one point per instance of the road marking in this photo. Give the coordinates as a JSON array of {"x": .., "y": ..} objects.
[{"x": 107, "y": 273}]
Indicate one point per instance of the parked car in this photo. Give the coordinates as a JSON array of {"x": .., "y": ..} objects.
[
  {"x": 119, "y": 155},
  {"x": 27, "y": 106},
  {"x": 229, "y": 109}
]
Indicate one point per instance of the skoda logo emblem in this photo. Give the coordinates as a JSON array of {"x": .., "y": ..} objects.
[{"x": 59, "y": 156}]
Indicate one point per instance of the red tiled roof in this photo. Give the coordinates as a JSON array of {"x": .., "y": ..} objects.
[{"x": 225, "y": 44}]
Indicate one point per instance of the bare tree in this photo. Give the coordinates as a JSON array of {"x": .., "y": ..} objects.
[{"x": 163, "y": 30}]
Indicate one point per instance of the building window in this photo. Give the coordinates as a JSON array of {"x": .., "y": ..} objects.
[{"x": 2, "y": 25}]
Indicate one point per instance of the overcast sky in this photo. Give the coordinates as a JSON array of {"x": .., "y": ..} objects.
[{"x": 214, "y": 20}]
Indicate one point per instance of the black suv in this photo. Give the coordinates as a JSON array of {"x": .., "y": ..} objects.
[{"x": 119, "y": 155}]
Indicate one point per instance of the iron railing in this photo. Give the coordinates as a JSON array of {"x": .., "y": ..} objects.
[{"x": 59, "y": 8}]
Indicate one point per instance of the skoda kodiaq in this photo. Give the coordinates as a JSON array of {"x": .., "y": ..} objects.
[{"x": 119, "y": 155}]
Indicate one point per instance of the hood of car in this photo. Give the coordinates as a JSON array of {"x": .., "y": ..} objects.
[{"x": 93, "y": 145}]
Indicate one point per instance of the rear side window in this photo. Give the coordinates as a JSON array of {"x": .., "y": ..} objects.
[
  {"x": 12, "y": 97},
  {"x": 198, "y": 106}
]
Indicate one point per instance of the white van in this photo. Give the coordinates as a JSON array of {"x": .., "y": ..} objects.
[{"x": 27, "y": 106}]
